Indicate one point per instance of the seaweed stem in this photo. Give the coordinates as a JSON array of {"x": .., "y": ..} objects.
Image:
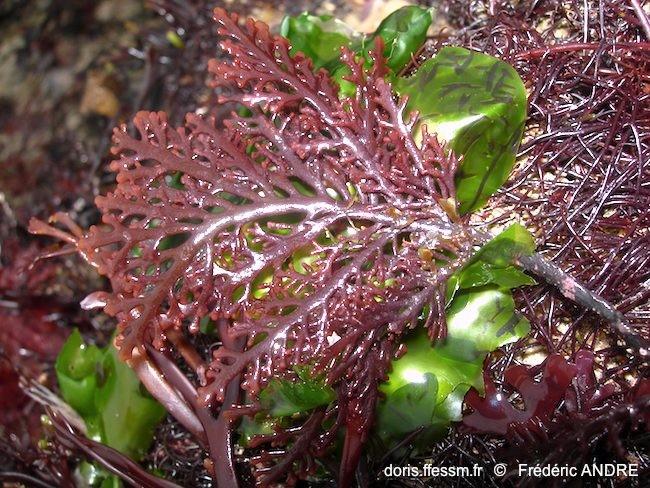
[
  {"x": 577, "y": 292},
  {"x": 112, "y": 460},
  {"x": 641, "y": 15},
  {"x": 22, "y": 478},
  {"x": 225, "y": 469},
  {"x": 579, "y": 46}
]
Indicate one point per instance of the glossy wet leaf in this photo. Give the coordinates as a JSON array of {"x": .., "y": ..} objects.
[
  {"x": 407, "y": 407},
  {"x": 107, "y": 394},
  {"x": 482, "y": 321},
  {"x": 478, "y": 322},
  {"x": 403, "y": 32},
  {"x": 76, "y": 367},
  {"x": 282, "y": 397},
  {"x": 322, "y": 37},
  {"x": 319, "y": 37},
  {"x": 128, "y": 413},
  {"x": 476, "y": 103},
  {"x": 504, "y": 249},
  {"x": 482, "y": 273},
  {"x": 495, "y": 263}
]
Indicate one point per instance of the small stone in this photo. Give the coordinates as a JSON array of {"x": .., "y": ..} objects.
[{"x": 99, "y": 95}]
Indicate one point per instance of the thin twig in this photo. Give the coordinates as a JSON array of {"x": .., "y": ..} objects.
[
  {"x": 643, "y": 18},
  {"x": 23, "y": 479},
  {"x": 580, "y": 46},
  {"x": 577, "y": 292},
  {"x": 111, "y": 459}
]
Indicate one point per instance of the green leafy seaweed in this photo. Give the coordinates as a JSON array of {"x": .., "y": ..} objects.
[
  {"x": 76, "y": 370},
  {"x": 408, "y": 405},
  {"x": 495, "y": 263},
  {"x": 128, "y": 413},
  {"x": 477, "y": 104},
  {"x": 283, "y": 398},
  {"x": 107, "y": 394},
  {"x": 403, "y": 32},
  {"x": 478, "y": 322},
  {"x": 427, "y": 385},
  {"x": 321, "y": 37}
]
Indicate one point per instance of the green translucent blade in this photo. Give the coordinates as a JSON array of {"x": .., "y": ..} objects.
[{"x": 477, "y": 104}]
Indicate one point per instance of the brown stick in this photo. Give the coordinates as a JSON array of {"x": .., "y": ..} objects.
[
  {"x": 580, "y": 294},
  {"x": 575, "y": 291}
]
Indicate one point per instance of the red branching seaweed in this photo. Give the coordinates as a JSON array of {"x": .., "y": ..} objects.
[
  {"x": 297, "y": 227},
  {"x": 565, "y": 414},
  {"x": 494, "y": 413}
]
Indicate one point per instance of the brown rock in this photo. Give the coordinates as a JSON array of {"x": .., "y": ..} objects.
[{"x": 99, "y": 95}]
